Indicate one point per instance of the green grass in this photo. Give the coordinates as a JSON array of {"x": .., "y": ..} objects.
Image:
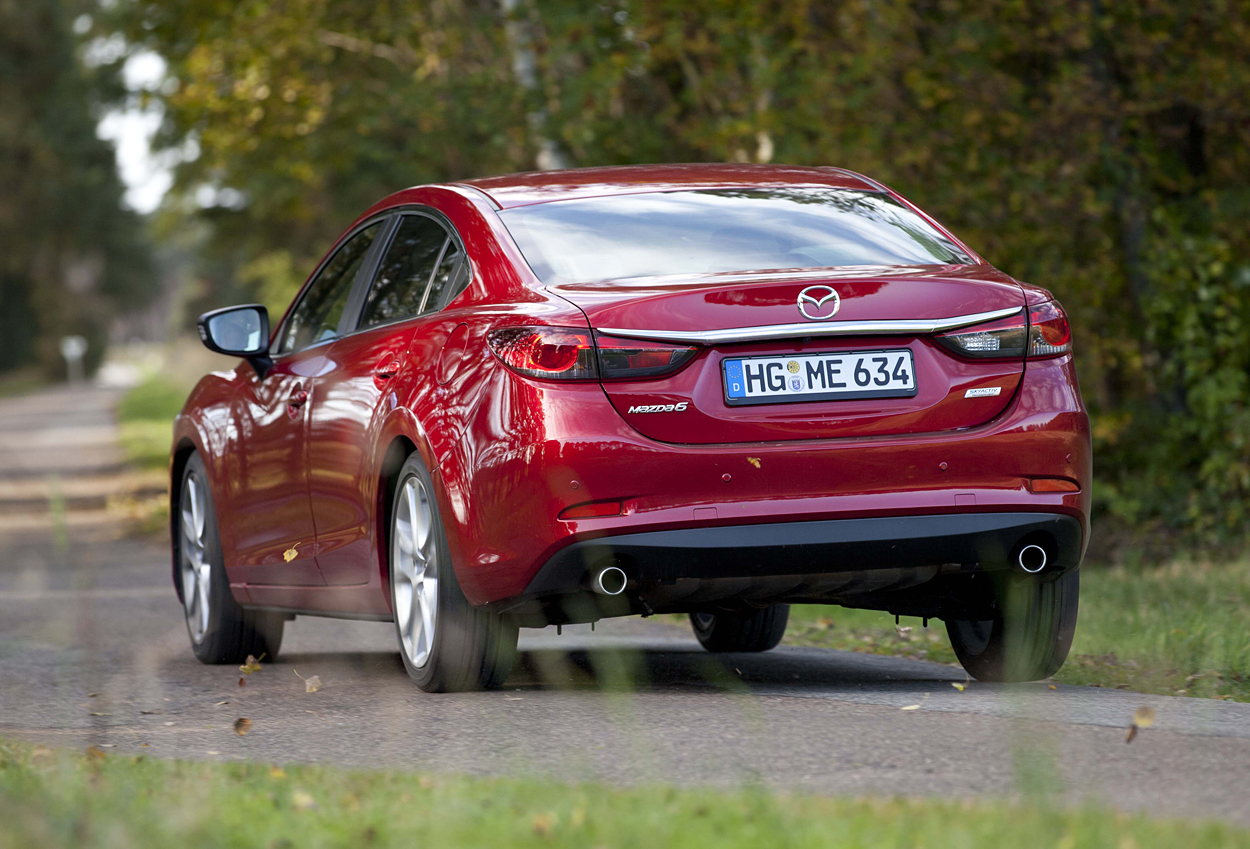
[
  {"x": 1182, "y": 629},
  {"x": 52, "y": 799},
  {"x": 145, "y": 417}
]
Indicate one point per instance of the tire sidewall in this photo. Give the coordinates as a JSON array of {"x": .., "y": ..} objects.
[
  {"x": 426, "y": 676},
  {"x": 219, "y": 585}
]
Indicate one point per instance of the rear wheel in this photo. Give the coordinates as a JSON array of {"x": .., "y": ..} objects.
[
  {"x": 743, "y": 631},
  {"x": 221, "y": 630},
  {"x": 446, "y": 644},
  {"x": 1030, "y": 634}
]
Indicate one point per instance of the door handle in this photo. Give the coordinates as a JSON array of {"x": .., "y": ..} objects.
[
  {"x": 297, "y": 400},
  {"x": 385, "y": 372}
]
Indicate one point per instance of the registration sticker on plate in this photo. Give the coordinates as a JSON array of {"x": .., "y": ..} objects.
[{"x": 819, "y": 377}]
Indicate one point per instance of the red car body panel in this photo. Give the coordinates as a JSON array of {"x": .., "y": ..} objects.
[{"x": 509, "y": 453}]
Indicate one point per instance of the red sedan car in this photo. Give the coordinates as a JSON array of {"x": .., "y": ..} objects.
[{"x": 712, "y": 389}]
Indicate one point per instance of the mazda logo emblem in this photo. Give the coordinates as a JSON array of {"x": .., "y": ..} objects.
[{"x": 819, "y": 303}]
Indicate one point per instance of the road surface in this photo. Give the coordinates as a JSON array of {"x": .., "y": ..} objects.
[{"x": 93, "y": 651}]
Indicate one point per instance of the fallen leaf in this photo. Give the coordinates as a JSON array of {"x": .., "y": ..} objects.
[
  {"x": 151, "y": 712},
  {"x": 94, "y": 754},
  {"x": 1144, "y": 716},
  {"x": 108, "y": 745},
  {"x": 513, "y": 698},
  {"x": 167, "y": 724},
  {"x": 212, "y": 752},
  {"x": 92, "y": 695},
  {"x": 242, "y": 725},
  {"x": 911, "y": 707},
  {"x": 904, "y": 631},
  {"x": 1132, "y": 733},
  {"x": 144, "y": 745},
  {"x": 1052, "y": 686},
  {"x": 95, "y": 713},
  {"x": 301, "y": 801},
  {"x": 544, "y": 823},
  {"x": 252, "y": 665},
  {"x": 824, "y": 623},
  {"x": 957, "y": 686},
  {"x": 242, "y": 683},
  {"x": 311, "y": 684},
  {"x": 219, "y": 704}
]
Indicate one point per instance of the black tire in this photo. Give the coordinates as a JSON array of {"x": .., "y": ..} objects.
[
  {"x": 231, "y": 633},
  {"x": 1031, "y": 632},
  {"x": 472, "y": 649},
  {"x": 744, "y": 631}
]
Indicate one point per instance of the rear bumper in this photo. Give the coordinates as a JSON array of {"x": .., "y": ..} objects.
[
  {"x": 533, "y": 451},
  {"x": 868, "y": 562}
]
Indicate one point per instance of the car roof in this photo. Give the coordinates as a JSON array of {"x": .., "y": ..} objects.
[{"x": 512, "y": 190}]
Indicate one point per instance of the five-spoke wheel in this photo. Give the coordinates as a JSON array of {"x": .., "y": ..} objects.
[{"x": 445, "y": 642}]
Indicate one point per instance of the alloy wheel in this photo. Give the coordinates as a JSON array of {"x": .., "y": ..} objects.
[
  {"x": 195, "y": 568},
  {"x": 414, "y": 559}
]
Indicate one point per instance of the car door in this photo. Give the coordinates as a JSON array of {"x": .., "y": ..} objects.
[
  {"x": 273, "y": 523},
  {"x": 395, "y": 343}
]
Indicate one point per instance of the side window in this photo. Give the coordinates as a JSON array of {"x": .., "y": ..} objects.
[
  {"x": 316, "y": 317},
  {"x": 445, "y": 276},
  {"x": 399, "y": 289}
]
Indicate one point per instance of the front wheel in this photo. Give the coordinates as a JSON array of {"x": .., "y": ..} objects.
[
  {"x": 1030, "y": 634},
  {"x": 741, "y": 631},
  {"x": 446, "y": 644},
  {"x": 221, "y": 630}
]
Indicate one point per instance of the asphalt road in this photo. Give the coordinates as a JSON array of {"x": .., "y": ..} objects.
[{"x": 93, "y": 651}]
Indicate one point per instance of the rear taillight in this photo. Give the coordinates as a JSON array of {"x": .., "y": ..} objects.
[
  {"x": 996, "y": 340},
  {"x": 563, "y": 353},
  {"x": 625, "y": 359},
  {"x": 1049, "y": 333},
  {"x": 553, "y": 353},
  {"x": 1045, "y": 334}
]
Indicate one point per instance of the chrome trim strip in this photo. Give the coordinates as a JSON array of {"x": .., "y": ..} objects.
[{"x": 911, "y": 327}]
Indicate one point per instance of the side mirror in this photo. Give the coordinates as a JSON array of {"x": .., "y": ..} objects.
[{"x": 238, "y": 332}]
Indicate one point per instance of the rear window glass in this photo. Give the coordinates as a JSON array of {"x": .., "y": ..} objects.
[{"x": 697, "y": 232}]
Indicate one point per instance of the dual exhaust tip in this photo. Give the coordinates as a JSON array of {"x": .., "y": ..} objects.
[{"x": 612, "y": 580}]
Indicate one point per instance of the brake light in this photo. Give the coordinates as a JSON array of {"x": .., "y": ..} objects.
[
  {"x": 553, "y": 353},
  {"x": 625, "y": 359},
  {"x": 1049, "y": 333},
  {"x": 1046, "y": 334},
  {"x": 996, "y": 340}
]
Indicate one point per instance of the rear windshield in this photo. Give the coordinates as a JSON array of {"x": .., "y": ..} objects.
[{"x": 695, "y": 232}]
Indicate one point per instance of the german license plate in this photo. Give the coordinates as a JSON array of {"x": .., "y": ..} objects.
[{"x": 819, "y": 377}]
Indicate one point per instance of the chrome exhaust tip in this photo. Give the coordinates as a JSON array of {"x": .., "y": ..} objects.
[
  {"x": 610, "y": 580},
  {"x": 1032, "y": 559}
]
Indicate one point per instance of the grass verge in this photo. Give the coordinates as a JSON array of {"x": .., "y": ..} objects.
[
  {"x": 58, "y": 798},
  {"x": 1176, "y": 630},
  {"x": 145, "y": 418}
]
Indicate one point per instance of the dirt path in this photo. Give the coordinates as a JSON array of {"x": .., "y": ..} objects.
[{"x": 93, "y": 650}]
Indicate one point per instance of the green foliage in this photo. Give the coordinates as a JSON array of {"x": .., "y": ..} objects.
[
  {"x": 71, "y": 255},
  {"x": 58, "y": 798},
  {"x": 1098, "y": 149}
]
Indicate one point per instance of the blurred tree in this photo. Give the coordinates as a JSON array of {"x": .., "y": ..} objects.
[
  {"x": 1096, "y": 147},
  {"x": 69, "y": 254}
]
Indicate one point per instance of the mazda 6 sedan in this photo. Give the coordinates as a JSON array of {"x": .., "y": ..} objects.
[{"x": 555, "y": 397}]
